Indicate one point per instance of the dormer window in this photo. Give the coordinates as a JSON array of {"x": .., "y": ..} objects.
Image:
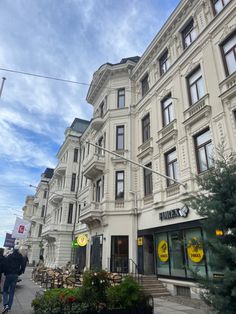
[
  {"x": 219, "y": 5},
  {"x": 188, "y": 34},
  {"x": 145, "y": 85},
  {"x": 164, "y": 62}
]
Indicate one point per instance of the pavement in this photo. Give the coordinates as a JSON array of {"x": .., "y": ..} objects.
[{"x": 26, "y": 290}]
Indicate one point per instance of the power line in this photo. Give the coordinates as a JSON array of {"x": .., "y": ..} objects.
[{"x": 59, "y": 79}]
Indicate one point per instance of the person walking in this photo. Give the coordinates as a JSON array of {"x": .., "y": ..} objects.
[
  {"x": 15, "y": 266},
  {"x": 2, "y": 266}
]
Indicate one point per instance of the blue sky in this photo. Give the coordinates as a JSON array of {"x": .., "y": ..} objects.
[{"x": 68, "y": 39}]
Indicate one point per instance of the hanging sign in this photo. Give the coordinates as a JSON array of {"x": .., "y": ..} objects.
[
  {"x": 162, "y": 251},
  {"x": 74, "y": 244},
  {"x": 140, "y": 241},
  {"x": 195, "y": 250},
  {"x": 82, "y": 240}
]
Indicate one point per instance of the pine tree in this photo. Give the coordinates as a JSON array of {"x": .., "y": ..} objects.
[{"x": 217, "y": 202}]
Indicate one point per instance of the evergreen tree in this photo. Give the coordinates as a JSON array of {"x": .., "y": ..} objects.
[{"x": 217, "y": 202}]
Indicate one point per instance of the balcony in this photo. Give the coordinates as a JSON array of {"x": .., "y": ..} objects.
[
  {"x": 91, "y": 214},
  {"x": 97, "y": 123},
  {"x": 36, "y": 201},
  {"x": 60, "y": 169},
  {"x": 94, "y": 167},
  {"x": 37, "y": 219},
  {"x": 56, "y": 196},
  {"x": 146, "y": 148},
  {"x": 168, "y": 132},
  {"x": 197, "y": 111},
  {"x": 50, "y": 231},
  {"x": 227, "y": 87}
]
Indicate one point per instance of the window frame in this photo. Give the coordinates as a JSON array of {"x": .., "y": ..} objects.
[
  {"x": 147, "y": 180},
  {"x": 117, "y": 197},
  {"x": 70, "y": 213},
  {"x": 164, "y": 123},
  {"x": 145, "y": 85},
  {"x": 197, "y": 148},
  {"x": 186, "y": 32},
  {"x": 146, "y": 127},
  {"x": 213, "y": 2},
  {"x": 119, "y": 97},
  {"x": 76, "y": 155},
  {"x": 73, "y": 182},
  {"x": 120, "y": 135},
  {"x": 164, "y": 61},
  {"x": 195, "y": 84},
  {"x": 172, "y": 163},
  {"x": 223, "y": 53}
]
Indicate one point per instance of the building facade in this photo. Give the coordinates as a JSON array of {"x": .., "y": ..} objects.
[{"x": 171, "y": 112}]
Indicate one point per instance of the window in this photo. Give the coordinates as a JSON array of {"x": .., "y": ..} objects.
[
  {"x": 45, "y": 194},
  {"x": 145, "y": 85},
  {"x": 60, "y": 214},
  {"x": 40, "y": 230},
  {"x": 121, "y": 98},
  {"x": 79, "y": 211},
  {"x": 188, "y": 34},
  {"x": 164, "y": 63},
  {"x": 76, "y": 151},
  {"x": 102, "y": 109},
  {"x": 70, "y": 214},
  {"x": 204, "y": 151},
  {"x": 43, "y": 211},
  {"x": 167, "y": 110},
  {"x": 119, "y": 185},
  {"x": 98, "y": 190},
  {"x": 195, "y": 86},
  {"x": 73, "y": 179},
  {"x": 100, "y": 143},
  {"x": 171, "y": 166},
  {"x": 219, "y": 5},
  {"x": 147, "y": 180},
  {"x": 229, "y": 54},
  {"x": 146, "y": 127},
  {"x": 83, "y": 152},
  {"x": 120, "y": 137}
]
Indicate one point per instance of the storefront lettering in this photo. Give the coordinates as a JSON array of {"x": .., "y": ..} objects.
[{"x": 174, "y": 213}]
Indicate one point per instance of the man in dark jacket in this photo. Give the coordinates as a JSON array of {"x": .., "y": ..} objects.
[
  {"x": 2, "y": 266},
  {"x": 15, "y": 266}
]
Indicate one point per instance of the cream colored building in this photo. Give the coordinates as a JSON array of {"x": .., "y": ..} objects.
[
  {"x": 57, "y": 232},
  {"x": 169, "y": 111}
]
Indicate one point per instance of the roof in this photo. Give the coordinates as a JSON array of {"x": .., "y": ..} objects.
[{"x": 79, "y": 125}]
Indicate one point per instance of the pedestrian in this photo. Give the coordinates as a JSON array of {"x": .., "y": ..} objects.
[
  {"x": 40, "y": 262},
  {"x": 2, "y": 266},
  {"x": 15, "y": 266}
]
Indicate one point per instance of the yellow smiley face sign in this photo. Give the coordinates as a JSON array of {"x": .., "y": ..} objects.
[
  {"x": 162, "y": 251},
  {"x": 82, "y": 240},
  {"x": 195, "y": 250}
]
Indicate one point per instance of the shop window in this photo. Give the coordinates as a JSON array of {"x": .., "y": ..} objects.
[
  {"x": 146, "y": 128},
  {"x": 147, "y": 174},
  {"x": 171, "y": 166},
  {"x": 204, "y": 151},
  {"x": 120, "y": 137},
  {"x": 195, "y": 86},
  {"x": 164, "y": 62},
  {"x": 228, "y": 49},
  {"x": 167, "y": 110},
  {"x": 119, "y": 185},
  {"x": 145, "y": 85},
  {"x": 219, "y": 5},
  {"x": 73, "y": 181},
  {"x": 121, "y": 98},
  {"x": 189, "y": 34},
  {"x": 70, "y": 214}
]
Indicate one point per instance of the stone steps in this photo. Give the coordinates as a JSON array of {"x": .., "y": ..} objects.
[{"x": 152, "y": 286}]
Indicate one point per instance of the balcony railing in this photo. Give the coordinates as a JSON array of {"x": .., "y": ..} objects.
[{"x": 91, "y": 213}]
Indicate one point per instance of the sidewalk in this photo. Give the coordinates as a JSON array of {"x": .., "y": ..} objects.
[{"x": 26, "y": 290}]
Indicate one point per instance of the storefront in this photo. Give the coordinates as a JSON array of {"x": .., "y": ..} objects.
[{"x": 177, "y": 250}]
